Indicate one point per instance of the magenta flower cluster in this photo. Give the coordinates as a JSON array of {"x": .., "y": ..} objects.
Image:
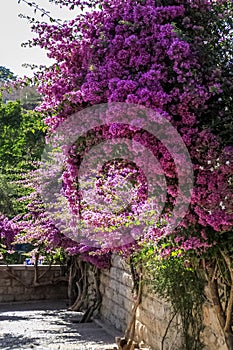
[
  {"x": 8, "y": 231},
  {"x": 130, "y": 51}
]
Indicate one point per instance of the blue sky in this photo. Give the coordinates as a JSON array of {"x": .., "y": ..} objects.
[{"x": 15, "y": 30}]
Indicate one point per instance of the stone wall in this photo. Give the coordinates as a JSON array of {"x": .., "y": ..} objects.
[
  {"x": 153, "y": 315},
  {"x": 16, "y": 289}
]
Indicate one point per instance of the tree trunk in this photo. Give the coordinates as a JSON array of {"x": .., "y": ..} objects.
[
  {"x": 127, "y": 342},
  {"x": 228, "y": 334},
  {"x": 98, "y": 298},
  {"x": 213, "y": 286},
  {"x": 229, "y": 309},
  {"x": 78, "y": 279},
  {"x": 79, "y": 273},
  {"x": 229, "y": 340}
]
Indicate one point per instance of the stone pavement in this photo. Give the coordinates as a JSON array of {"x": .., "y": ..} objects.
[{"x": 43, "y": 325}]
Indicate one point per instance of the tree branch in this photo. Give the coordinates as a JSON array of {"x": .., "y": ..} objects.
[
  {"x": 41, "y": 10},
  {"x": 229, "y": 307},
  {"x": 167, "y": 328}
]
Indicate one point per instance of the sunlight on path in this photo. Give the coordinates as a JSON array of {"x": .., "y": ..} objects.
[{"x": 42, "y": 325}]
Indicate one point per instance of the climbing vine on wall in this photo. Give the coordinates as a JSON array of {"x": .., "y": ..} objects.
[{"x": 175, "y": 280}]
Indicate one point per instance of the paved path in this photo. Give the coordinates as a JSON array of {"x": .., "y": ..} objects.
[{"x": 48, "y": 325}]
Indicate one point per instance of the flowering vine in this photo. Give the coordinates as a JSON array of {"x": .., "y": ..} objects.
[
  {"x": 164, "y": 56},
  {"x": 133, "y": 52}
]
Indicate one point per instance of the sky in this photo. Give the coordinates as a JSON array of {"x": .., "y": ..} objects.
[{"x": 14, "y": 31}]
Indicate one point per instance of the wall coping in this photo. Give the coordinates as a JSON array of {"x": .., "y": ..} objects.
[{"x": 25, "y": 267}]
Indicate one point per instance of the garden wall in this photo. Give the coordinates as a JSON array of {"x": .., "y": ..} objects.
[
  {"x": 16, "y": 288},
  {"x": 153, "y": 315}
]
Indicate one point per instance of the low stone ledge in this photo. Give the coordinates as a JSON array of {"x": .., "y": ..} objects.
[{"x": 18, "y": 288}]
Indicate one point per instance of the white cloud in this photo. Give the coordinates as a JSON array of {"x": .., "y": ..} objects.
[{"x": 15, "y": 30}]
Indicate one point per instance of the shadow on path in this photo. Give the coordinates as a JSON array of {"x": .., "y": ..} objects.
[{"x": 43, "y": 325}]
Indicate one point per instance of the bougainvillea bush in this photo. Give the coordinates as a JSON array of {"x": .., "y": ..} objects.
[
  {"x": 8, "y": 231},
  {"x": 144, "y": 53},
  {"x": 174, "y": 58}
]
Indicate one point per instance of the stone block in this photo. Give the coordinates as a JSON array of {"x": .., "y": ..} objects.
[
  {"x": 104, "y": 279},
  {"x": 14, "y": 289},
  {"x": 27, "y": 296},
  {"x": 56, "y": 274},
  {"x": 5, "y": 282},
  {"x": 113, "y": 273},
  {"x": 117, "y": 322},
  {"x": 107, "y": 303},
  {"x": 57, "y": 292},
  {"x": 125, "y": 291},
  {"x": 118, "y": 262},
  {"x": 113, "y": 311},
  {"x": 4, "y": 290},
  {"x": 128, "y": 304},
  {"x": 7, "y": 298},
  {"x": 114, "y": 285},
  {"x": 105, "y": 313},
  {"x": 119, "y": 312},
  {"x": 148, "y": 338},
  {"x": 3, "y": 273},
  {"x": 153, "y": 323},
  {"x": 156, "y": 308},
  {"x": 110, "y": 293},
  {"x": 17, "y": 290},
  {"x": 126, "y": 279},
  {"x": 27, "y": 275},
  {"x": 15, "y": 283},
  {"x": 21, "y": 297},
  {"x": 110, "y": 299}
]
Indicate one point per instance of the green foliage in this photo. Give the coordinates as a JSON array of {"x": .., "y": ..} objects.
[
  {"x": 21, "y": 143},
  {"x": 7, "y": 258},
  {"x": 27, "y": 95},
  {"x": 6, "y": 205},
  {"x": 30, "y": 98},
  {"x": 174, "y": 280},
  {"x": 21, "y": 136},
  {"x": 57, "y": 256},
  {"x": 6, "y": 75},
  {"x": 212, "y": 38}
]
